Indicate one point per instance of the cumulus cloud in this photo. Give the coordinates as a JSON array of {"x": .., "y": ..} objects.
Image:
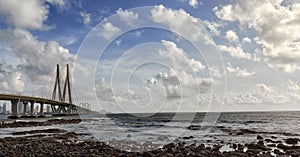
[
  {"x": 129, "y": 17},
  {"x": 24, "y": 14},
  {"x": 109, "y": 30},
  {"x": 236, "y": 52},
  {"x": 277, "y": 27},
  {"x": 178, "y": 20},
  {"x": 237, "y": 71},
  {"x": 179, "y": 58},
  {"x": 39, "y": 57},
  {"x": 176, "y": 84},
  {"x": 10, "y": 81},
  {"x": 232, "y": 36}
]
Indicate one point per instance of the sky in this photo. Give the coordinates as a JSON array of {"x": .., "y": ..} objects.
[{"x": 155, "y": 56}]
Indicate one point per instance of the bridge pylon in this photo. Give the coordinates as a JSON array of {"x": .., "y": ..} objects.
[{"x": 62, "y": 95}]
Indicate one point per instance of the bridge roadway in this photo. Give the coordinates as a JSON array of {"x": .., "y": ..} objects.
[{"x": 58, "y": 107}]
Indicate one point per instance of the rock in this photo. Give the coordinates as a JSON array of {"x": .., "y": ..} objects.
[
  {"x": 194, "y": 127},
  {"x": 260, "y": 143},
  {"x": 147, "y": 154},
  {"x": 234, "y": 146},
  {"x": 292, "y": 141},
  {"x": 273, "y": 137},
  {"x": 283, "y": 147},
  {"x": 259, "y": 137}
]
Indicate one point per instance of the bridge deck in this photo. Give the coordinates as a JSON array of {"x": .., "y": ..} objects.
[{"x": 10, "y": 97}]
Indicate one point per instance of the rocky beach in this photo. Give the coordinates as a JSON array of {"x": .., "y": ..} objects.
[{"x": 60, "y": 142}]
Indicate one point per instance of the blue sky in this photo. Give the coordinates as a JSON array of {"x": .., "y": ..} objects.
[
  {"x": 149, "y": 56},
  {"x": 67, "y": 22}
]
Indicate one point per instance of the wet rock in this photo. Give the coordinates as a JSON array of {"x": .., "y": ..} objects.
[
  {"x": 259, "y": 137},
  {"x": 283, "y": 147},
  {"x": 292, "y": 140},
  {"x": 39, "y": 131},
  {"x": 272, "y": 141},
  {"x": 147, "y": 154},
  {"x": 194, "y": 127},
  {"x": 273, "y": 137},
  {"x": 234, "y": 146},
  {"x": 260, "y": 143}
]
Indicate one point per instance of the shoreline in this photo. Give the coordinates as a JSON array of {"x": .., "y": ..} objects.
[
  {"x": 17, "y": 124},
  {"x": 61, "y": 143},
  {"x": 55, "y": 141}
]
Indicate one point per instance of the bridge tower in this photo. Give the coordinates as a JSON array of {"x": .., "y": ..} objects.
[{"x": 62, "y": 95}]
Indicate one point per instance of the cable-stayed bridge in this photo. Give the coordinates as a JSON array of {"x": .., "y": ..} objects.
[{"x": 59, "y": 104}]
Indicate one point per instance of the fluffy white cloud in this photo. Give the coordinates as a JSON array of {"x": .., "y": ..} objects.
[
  {"x": 194, "y": 3},
  {"x": 236, "y": 52},
  {"x": 178, "y": 20},
  {"x": 277, "y": 27},
  {"x": 109, "y": 30},
  {"x": 86, "y": 18},
  {"x": 11, "y": 82},
  {"x": 129, "y": 17},
  {"x": 177, "y": 84},
  {"x": 238, "y": 71},
  {"x": 39, "y": 57},
  {"x": 24, "y": 14},
  {"x": 232, "y": 36},
  {"x": 179, "y": 58},
  {"x": 246, "y": 40}
]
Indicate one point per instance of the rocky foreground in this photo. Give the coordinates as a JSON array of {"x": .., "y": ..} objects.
[
  {"x": 61, "y": 143},
  {"x": 17, "y": 124}
]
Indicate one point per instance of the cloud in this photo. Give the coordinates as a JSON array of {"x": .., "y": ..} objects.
[
  {"x": 232, "y": 36},
  {"x": 60, "y": 3},
  {"x": 291, "y": 86},
  {"x": 180, "y": 84},
  {"x": 276, "y": 25},
  {"x": 236, "y": 52},
  {"x": 215, "y": 72},
  {"x": 246, "y": 40},
  {"x": 118, "y": 42},
  {"x": 39, "y": 57},
  {"x": 179, "y": 58},
  {"x": 237, "y": 71},
  {"x": 129, "y": 17},
  {"x": 213, "y": 27},
  {"x": 178, "y": 20},
  {"x": 109, "y": 30},
  {"x": 24, "y": 14},
  {"x": 286, "y": 93},
  {"x": 12, "y": 82},
  {"x": 86, "y": 18},
  {"x": 194, "y": 3}
]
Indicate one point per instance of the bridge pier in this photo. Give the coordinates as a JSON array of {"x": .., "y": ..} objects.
[
  {"x": 14, "y": 109},
  {"x": 24, "y": 107},
  {"x": 32, "y": 109},
  {"x": 41, "y": 114}
]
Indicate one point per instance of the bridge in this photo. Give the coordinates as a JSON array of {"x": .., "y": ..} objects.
[{"x": 59, "y": 105}]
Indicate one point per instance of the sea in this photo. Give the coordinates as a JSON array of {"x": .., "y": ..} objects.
[{"x": 136, "y": 130}]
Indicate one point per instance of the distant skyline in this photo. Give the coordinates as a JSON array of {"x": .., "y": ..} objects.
[{"x": 191, "y": 55}]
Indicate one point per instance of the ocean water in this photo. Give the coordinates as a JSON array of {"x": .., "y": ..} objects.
[{"x": 121, "y": 130}]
